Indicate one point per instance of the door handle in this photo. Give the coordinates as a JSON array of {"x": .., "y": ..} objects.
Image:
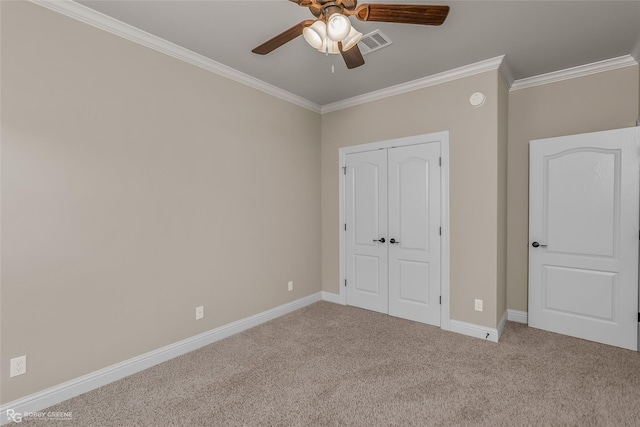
[
  {"x": 380, "y": 240},
  {"x": 538, "y": 245},
  {"x": 392, "y": 241}
]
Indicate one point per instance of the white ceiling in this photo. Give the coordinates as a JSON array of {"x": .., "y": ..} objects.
[{"x": 536, "y": 37}]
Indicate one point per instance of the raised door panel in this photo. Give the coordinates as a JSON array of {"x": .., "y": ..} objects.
[{"x": 583, "y": 185}]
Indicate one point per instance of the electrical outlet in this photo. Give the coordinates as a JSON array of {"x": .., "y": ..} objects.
[
  {"x": 18, "y": 366},
  {"x": 478, "y": 305},
  {"x": 199, "y": 312},
  {"x": 290, "y": 284}
]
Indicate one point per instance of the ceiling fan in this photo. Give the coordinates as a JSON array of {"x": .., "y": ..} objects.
[{"x": 331, "y": 31}]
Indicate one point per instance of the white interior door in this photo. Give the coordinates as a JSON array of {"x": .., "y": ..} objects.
[
  {"x": 366, "y": 213},
  {"x": 414, "y": 237},
  {"x": 583, "y": 236},
  {"x": 392, "y": 213}
]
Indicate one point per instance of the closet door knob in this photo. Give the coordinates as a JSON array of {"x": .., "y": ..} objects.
[
  {"x": 392, "y": 241},
  {"x": 380, "y": 240}
]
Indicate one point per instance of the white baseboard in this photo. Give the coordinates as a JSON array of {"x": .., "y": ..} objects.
[
  {"x": 518, "y": 316},
  {"x": 454, "y": 325},
  {"x": 51, "y": 396},
  {"x": 331, "y": 297},
  {"x": 482, "y": 332}
]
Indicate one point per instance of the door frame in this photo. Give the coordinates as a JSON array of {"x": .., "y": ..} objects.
[{"x": 436, "y": 137}]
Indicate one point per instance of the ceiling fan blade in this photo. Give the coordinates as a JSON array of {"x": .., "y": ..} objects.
[
  {"x": 352, "y": 57},
  {"x": 282, "y": 38},
  {"x": 403, "y": 13}
]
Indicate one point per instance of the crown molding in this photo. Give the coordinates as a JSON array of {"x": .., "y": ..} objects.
[
  {"x": 436, "y": 79},
  {"x": 99, "y": 20},
  {"x": 574, "y": 72}
]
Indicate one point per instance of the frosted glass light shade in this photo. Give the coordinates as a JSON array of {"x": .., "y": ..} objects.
[
  {"x": 329, "y": 46},
  {"x": 338, "y": 27},
  {"x": 352, "y": 39},
  {"x": 315, "y": 34}
]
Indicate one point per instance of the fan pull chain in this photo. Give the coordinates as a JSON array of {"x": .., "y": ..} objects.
[{"x": 333, "y": 70}]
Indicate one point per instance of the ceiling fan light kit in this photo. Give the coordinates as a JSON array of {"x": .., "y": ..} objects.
[
  {"x": 317, "y": 35},
  {"x": 332, "y": 31}
]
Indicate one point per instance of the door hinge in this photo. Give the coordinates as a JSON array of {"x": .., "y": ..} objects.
[
  {"x": 345, "y": 282},
  {"x": 440, "y": 299},
  {"x": 638, "y": 317},
  {"x": 440, "y": 231},
  {"x": 345, "y": 227},
  {"x": 439, "y": 161},
  {"x": 344, "y": 170}
]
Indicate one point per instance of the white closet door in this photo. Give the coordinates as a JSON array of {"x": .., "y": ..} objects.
[
  {"x": 366, "y": 213},
  {"x": 583, "y": 236},
  {"x": 414, "y": 237},
  {"x": 392, "y": 236}
]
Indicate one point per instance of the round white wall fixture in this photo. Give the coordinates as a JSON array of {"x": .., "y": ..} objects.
[{"x": 477, "y": 99}]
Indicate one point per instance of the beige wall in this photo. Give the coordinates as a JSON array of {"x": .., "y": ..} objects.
[
  {"x": 503, "y": 122},
  {"x": 607, "y": 100},
  {"x": 473, "y": 180},
  {"x": 136, "y": 187}
]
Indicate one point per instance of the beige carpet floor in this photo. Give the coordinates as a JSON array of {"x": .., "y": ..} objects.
[{"x": 330, "y": 365}]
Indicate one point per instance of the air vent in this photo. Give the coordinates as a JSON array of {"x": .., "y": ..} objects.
[{"x": 373, "y": 41}]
